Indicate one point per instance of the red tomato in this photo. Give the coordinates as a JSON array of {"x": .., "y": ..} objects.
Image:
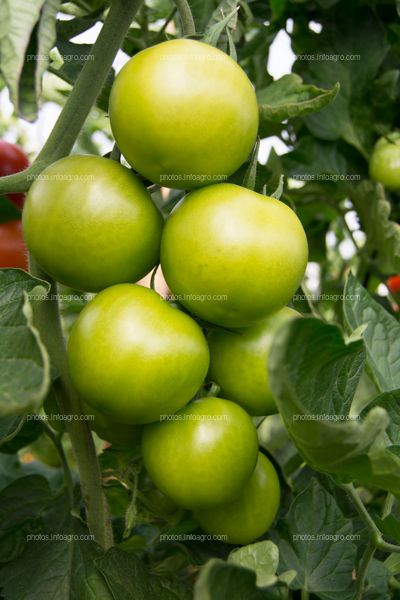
[
  {"x": 13, "y": 252},
  {"x": 12, "y": 160},
  {"x": 393, "y": 284}
]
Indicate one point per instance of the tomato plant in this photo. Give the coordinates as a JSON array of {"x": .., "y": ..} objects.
[
  {"x": 134, "y": 357},
  {"x": 239, "y": 360},
  {"x": 236, "y": 434},
  {"x": 13, "y": 252},
  {"x": 251, "y": 513},
  {"x": 12, "y": 160},
  {"x": 194, "y": 120},
  {"x": 203, "y": 455},
  {"x": 240, "y": 273}
]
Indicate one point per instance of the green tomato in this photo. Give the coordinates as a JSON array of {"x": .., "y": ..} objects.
[
  {"x": 134, "y": 357},
  {"x": 183, "y": 114},
  {"x": 123, "y": 435},
  {"x": 90, "y": 223},
  {"x": 251, "y": 513},
  {"x": 239, "y": 361},
  {"x": 232, "y": 256},
  {"x": 384, "y": 164},
  {"x": 203, "y": 455}
]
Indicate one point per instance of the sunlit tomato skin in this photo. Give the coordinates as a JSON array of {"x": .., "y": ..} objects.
[
  {"x": 233, "y": 256},
  {"x": 203, "y": 455},
  {"x": 12, "y": 160},
  {"x": 90, "y": 223},
  {"x": 239, "y": 361},
  {"x": 184, "y": 114},
  {"x": 393, "y": 284},
  {"x": 13, "y": 251},
  {"x": 122, "y": 435},
  {"x": 251, "y": 513},
  {"x": 384, "y": 164},
  {"x": 134, "y": 357}
]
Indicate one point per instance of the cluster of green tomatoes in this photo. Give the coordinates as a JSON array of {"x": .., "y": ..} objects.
[{"x": 184, "y": 115}]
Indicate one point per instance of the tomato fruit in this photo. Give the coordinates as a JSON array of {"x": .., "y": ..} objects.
[
  {"x": 12, "y": 160},
  {"x": 233, "y": 256},
  {"x": 251, "y": 513},
  {"x": 12, "y": 248},
  {"x": 239, "y": 360},
  {"x": 118, "y": 434},
  {"x": 134, "y": 357},
  {"x": 384, "y": 164},
  {"x": 203, "y": 455},
  {"x": 184, "y": 114},
  {"x": 90, "y": 223},
  {"x": 393, "y": 284}
]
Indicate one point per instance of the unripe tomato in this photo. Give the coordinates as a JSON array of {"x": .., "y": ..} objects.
[
  {"x": 203, "y": 455},
  {"x": 12, "y": 248},
  {"x": 90, "y": 223},
  {"x": 384, "y": 164},
  {"x": 123, "y": 435},
  {"x": 239, "y": 362},
  {"x": 251, "y": 513},
  {"x": 12, "y": 160},
  {"x": 184, "y": 114},
  {"x": 134, "y": 357},
  {"x": 232, "y": 256},
  {"x": 393, "y": 284}
]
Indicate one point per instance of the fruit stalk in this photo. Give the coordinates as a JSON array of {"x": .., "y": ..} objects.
[{"x": 188, "y": 26}]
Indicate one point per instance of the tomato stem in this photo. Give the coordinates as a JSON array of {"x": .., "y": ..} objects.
[
  {"x": 47, "y": 317},
  {"x": 82, "y": 97},
  {"x": 60, "y": 450},
  {"x": 188, "y": 26}
]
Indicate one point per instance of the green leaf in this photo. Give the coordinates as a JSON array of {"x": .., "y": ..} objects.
[
  {"x": 289, "y": 97},
  {"x": 24, "y": 364},
  {"x": 279, "y": 190},
  {"x": 262, "y": 558},
  {"x": 350, "y": 116},
  {"x": 28, "y": 29},
  {"x": 128, "y": 578},
  {"x": 215, "y": 29},
  {"x": 311, "y": 158},
  {"x": 381, "y": 337},
  {"x": 313, "y": 376},
  {"x": 16, "y": 432},
  {"x": 313, "y": 543},
  {"x": 17, "y": 19},
  {"x": 249, "y": 180},
  {"x": 219, "y": 579},
  {"x": 383, "y": 235}
]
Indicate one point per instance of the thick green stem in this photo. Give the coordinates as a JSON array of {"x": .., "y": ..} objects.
[
  {"x": 188, "y": 26},
  {"x": 363, "y": 570},
  {"x": 47, "y": 318},
  {"x": 59, "y": 447},
  {"x": 82, "y": 97},
  {"x": 376, "y": 535}
]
